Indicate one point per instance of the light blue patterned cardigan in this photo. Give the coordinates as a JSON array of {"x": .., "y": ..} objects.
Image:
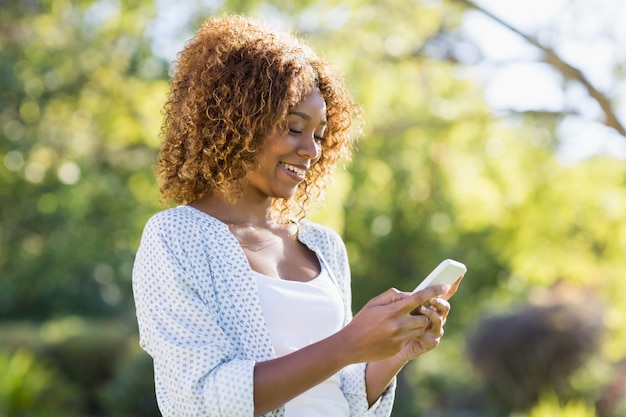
[{"x": 201, "y": 320}]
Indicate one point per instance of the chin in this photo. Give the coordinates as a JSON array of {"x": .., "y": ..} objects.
[{"x": 285, "y": 194}]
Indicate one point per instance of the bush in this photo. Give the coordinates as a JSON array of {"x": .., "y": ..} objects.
[
  {"x": 84, "y": 352},
  {"x": 538, "y": 348},
  {"x": 131, "y": 390},
  {"x": 22, "y": 335},
  {"x": 549, "y": 406},
  {"x": 26, "y": 383}
]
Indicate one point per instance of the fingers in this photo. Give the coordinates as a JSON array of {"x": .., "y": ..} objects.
[
  {"x": 436, "y": 312},
  {"x": 422, "y": 316},
  {"x": 418, "y": 322},
  {"x": 399, "y": 331},
  {"x": 412, "y": 301},
  {"x": 417, "y": 327},
  {"x": 388, "y": 297},
  {"x": 440, "y": 305},
  {"x": 429, "y": 340}
]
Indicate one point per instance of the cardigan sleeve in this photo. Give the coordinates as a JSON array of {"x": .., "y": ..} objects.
[
  {"x": 197, "y": 372},
  {"x": 353, "y": 386}
]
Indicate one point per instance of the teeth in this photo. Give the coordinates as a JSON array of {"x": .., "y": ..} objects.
[{"x": 295, "y": 169}]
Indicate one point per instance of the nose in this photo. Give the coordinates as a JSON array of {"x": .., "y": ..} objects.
[{"x": 310, "y": 147}]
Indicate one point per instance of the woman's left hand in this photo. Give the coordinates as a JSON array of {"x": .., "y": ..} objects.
[{"x": 437, "y": 311}]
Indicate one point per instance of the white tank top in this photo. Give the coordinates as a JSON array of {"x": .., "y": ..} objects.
[{"x": 299, "y": 314}]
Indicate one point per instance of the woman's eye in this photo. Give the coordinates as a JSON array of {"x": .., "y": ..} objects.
[{"x": 293, "y": 131}]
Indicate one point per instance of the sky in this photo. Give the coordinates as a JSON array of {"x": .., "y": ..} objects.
[{"x": 587, "y": 34}]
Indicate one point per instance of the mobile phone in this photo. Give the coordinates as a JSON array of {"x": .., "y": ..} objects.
[{"x": 447, "y": 272}]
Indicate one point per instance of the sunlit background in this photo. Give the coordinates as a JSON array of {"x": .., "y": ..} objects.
[{"x": 494, "y": 135}]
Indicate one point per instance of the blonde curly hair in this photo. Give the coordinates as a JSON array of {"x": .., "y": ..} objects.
[{"x": 233, "y": 86}]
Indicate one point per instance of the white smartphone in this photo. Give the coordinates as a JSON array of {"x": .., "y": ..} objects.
[{"x": 447, "y": 272}]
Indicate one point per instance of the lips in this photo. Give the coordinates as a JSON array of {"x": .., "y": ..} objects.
[{"x": 298, "y": 171}]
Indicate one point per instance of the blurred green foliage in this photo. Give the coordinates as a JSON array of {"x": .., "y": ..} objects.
[
  {"x": 28, "y": 388},
  {"x": 436, "y": 175},
  {"x": 549, "y": 405},
  {"x": 74, "y": 365},
  {"x": 131, "y": 391},
  {"x": 79, "y": 115}
]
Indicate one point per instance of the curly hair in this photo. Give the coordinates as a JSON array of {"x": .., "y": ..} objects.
[{"x": 233, "y": 86}]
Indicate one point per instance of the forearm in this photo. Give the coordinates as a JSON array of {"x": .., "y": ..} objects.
[
  {"x": 279, "y": 380},
  {"x": 378, "y": 376}
]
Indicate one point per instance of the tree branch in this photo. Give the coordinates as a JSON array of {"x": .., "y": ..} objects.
[{"x": 565, "y": 69}]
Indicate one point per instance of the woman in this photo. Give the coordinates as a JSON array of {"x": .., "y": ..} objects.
[{"x": 242, "y": 303}]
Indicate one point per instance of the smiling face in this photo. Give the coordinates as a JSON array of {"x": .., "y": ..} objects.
[{"x": 287, "y": 156}]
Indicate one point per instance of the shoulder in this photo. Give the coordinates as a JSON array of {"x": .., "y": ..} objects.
[
  {"x": 190, "y": 238},
  {"x": 167, "y": 219},
  {"x": 184, "y": 223},
  {"x": 311, "y": 232},
  {"x": 181, "y": 215}
]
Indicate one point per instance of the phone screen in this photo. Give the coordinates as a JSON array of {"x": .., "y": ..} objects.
[{"x": 447, "y": 272}]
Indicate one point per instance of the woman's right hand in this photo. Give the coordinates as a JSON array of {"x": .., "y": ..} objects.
[{"x": 383, "y": 326}]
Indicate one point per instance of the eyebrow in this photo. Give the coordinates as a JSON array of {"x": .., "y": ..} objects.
[{"x": 307, "y": 117}]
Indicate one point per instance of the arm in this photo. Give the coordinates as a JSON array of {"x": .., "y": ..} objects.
[
  {"x": 363, "y": 384},
  {"x": 201, "y": 368},
  {"x": 379, "y": 374},
  {"x": 278, "y": 380}
]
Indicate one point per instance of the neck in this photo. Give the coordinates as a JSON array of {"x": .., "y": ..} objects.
[{"x": 238, "y": 213}]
